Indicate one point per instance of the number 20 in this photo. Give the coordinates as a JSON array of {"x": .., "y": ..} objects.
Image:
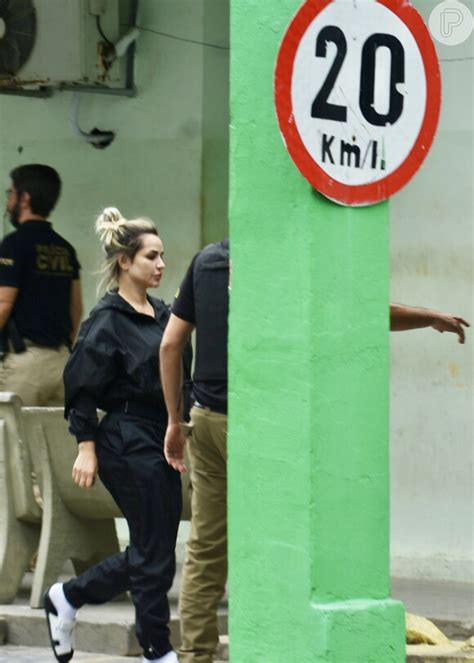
[{"x": 322, "y": 109}]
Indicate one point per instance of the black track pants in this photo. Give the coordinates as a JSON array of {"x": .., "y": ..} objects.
[{"x": 148, "y": 491}]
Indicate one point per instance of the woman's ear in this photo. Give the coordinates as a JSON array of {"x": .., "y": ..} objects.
[{"x": 124, "y": 262}]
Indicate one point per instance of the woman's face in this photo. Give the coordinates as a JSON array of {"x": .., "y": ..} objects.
[{"x": 146, "y": 268}]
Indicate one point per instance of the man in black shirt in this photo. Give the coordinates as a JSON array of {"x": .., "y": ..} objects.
[
  {"x": 40, "y": 292},
  {"x": 201, "y": 303}
]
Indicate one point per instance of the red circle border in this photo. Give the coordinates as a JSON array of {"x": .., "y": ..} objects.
[{"x": 365, "y": 194}]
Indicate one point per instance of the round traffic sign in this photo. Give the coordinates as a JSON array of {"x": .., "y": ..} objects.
[{"x": 357, "y": 94}]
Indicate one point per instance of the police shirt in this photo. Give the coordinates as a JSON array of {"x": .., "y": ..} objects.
[
  {"x": 203, "y": 301},
  {"x": 42, "y": 265}
]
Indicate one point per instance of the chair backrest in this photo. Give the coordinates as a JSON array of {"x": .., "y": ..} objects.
[
  {"x": 46, "y": 426},
  {"x": 17, "y": 459}
]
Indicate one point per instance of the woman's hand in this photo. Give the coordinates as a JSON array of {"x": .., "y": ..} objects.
[{"x": 84, "y": 471}]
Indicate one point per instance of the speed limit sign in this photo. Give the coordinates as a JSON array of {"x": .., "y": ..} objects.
[{"x": 357, "y": 95}]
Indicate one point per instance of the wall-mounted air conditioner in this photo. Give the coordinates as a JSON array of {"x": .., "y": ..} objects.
[{"x": 62, "y": 43}]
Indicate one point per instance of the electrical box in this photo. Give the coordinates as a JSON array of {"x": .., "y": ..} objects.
[{"x": 60, "y": 43}]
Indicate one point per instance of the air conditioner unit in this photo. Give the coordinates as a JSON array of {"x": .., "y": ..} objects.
[{"x": 60, "y": 43}]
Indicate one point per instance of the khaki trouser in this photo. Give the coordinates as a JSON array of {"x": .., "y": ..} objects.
[
  {"x": 205, "y": 567},
  {"x": 35, "y": 375}
]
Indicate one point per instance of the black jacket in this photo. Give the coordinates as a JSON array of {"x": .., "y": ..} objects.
[{"x": 116, "y": 360}]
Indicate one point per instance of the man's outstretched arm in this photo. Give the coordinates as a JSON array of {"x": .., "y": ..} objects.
[
  {"x": 176, "y": 336},
  {"x": 404, "y": 318}
]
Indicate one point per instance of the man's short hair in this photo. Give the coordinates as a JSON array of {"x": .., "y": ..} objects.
[{"x": 41, "y": 182}]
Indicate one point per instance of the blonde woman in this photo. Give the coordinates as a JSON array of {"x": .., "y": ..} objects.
[{"x": 114, "y": 366}]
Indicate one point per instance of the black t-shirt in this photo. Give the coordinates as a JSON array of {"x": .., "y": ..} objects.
[
  {"x": 203, "y": 301},
  {"x": 42, "y": 265}
]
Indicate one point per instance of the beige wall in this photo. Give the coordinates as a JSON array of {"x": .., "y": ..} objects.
[
  {"x": 432, "y": 403},
  {"x": 155, "y": 165}
]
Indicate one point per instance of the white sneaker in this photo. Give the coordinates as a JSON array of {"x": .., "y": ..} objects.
[
  {"x": 170, "y": 657},
  {"x": 61, "y": 632}
]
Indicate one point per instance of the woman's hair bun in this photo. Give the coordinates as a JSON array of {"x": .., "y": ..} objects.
[{"x": 107, "y": 224}]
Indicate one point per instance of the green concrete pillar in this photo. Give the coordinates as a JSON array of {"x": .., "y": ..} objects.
[{"x": 308, "y": 425}]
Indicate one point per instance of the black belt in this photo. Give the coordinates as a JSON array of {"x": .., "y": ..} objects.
[
  {"x": 32, "y": 344},
  {"x": 139, "y": 410},
  {"x": 220, "y": 409}
]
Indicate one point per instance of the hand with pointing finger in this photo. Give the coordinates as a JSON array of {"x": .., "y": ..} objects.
[{"x": 449, "y": 323}]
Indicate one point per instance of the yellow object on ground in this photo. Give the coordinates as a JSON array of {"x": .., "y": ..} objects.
[{"x": 421, "y": 631}]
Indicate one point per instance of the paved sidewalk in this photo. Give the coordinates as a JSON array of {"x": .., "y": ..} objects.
[
  {"x": 450, "y": 605},
  {"x": 439, "y": 654},
  {"x": 10, "y": 654}
]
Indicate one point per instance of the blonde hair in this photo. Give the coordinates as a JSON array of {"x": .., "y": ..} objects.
[{"x": 118, "y": 236}]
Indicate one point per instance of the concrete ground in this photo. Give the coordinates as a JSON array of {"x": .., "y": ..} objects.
[
  {"x": 439, "y": 654},
  {"x": 450, "y": 605},
  {"x": 10, "y": 654}
]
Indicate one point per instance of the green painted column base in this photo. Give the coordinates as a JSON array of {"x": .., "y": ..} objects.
[{"x": 358, "y": 631}]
